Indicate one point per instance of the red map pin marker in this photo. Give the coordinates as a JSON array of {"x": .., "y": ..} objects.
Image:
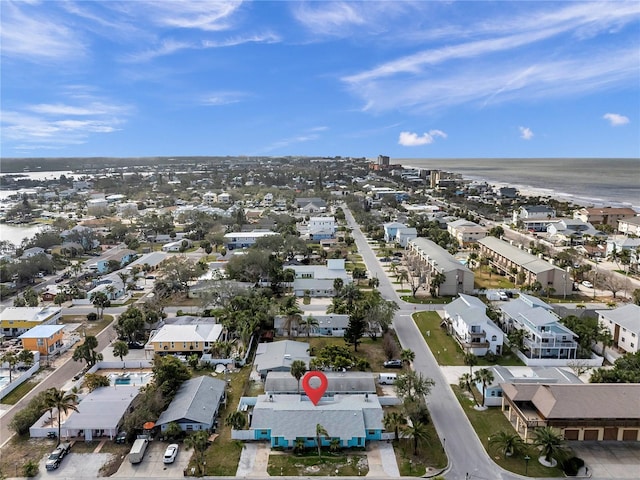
[{"x": 315, "y": 394}]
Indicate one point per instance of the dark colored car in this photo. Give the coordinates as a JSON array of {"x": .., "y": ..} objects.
[
  {"x": 57, "y": 455},
  {"x": 393, "y": 364},
  {"x": 121, "y": 437},
  {"x": 135, "y": 345}
]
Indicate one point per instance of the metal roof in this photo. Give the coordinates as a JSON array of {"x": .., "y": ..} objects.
[
  {"x": 627, "y": 316},
  {"x": 197, "y": 400},
  {"x": 102, "y": 409}
]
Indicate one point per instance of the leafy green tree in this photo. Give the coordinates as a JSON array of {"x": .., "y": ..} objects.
[
  {"x": 87, "y": 351},
  {"x": 236, "y": 420},
  {"x": 507, "y": 444},
  {"x": 101, "y": 301},
  {"x": 94, "y": 380},
  {"x": 130, "y": 323},
  {"x": 26, "y": 357},
  {"x": 550, "y": 443},
  {"x": 413, "y": 385},
  {"x": 11, "y": 359},
  {"x": 419, "y": 433},
  {"x": 120, "y": 349},
  {"x": 436, "y": 281},
  {"x": 298, "y": 445},
  {"x": 169, "y": 373},
  {"x": 626, "y": 369},
  {"x": 298, "y": 369},
  {"x": 173, "y": 431},
  {"x": 356, "y": 329},
  {"x": 308, "y": 323},
  {"x": 516, "y": 339},
  {"x": 334, "y": 445}
]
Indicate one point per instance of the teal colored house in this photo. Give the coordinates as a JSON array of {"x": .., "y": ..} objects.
[{"x": 282, "y": 419}]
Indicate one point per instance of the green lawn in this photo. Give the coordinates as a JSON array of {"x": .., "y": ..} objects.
[
  {"x": 446, "y": 350},
  {"x": 16, "y": 395},
  {"x": 430, "y": 456},
  {"x": 309, "y": 464},
  {"x": 484, "y": 279},
  {"x": 491, "y": 421},
  {"x": 426, "y": 300}
]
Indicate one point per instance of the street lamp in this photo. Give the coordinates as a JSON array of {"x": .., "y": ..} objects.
[{"x": 526, "y": 464}]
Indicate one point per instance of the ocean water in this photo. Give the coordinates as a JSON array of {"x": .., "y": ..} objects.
[{"x": 584, "y": 181}]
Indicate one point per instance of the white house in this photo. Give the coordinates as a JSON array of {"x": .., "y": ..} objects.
[
  {"x": 318, "y": 279},
  {"x": 466, "y": 232},
  {"x": 624, "y": 325},
  {"x": 629, "y": 225},
  {"x": 533, "y": 212},
  {"x": 245, "y": 239},
  {"x": 471, "y": 327}
]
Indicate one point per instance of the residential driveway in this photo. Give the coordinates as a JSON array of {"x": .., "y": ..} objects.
[
  {"x": 609, "y": 459},
  {"x": 152, "y": 465},
  {"x": 254, "y": 460},
  {"x": 75, "y": 465},
  {"x": 382, "y": 460}
]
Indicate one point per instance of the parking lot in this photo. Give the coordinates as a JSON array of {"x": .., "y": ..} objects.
[
  {"x": 75, "y": 465},
  {"x": 152, "y": 465}
]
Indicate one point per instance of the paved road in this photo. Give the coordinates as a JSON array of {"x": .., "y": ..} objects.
[
  {"x": 467, "y": 456},
  {"x": 56, "y": 379}
]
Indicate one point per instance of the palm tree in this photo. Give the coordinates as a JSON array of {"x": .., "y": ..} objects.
[
  {"x": 550, "y": 442},
  {"x": 507, "y": 443},
  {"x": 236, "y": 420},
  {"x": 394, "y": 420},
  {"x": 199, "y": 441},
  {"x": 298, "y": 445},
  {"x": 418, "y": 431},
  {"x": 471, "y": 360},
  {"x": 334, "y": 445},
  {"x": 120, "y": 349},
  {"x": 407, "y": 355},
  {"x": 292, "y": 312},
  {"x": 298, "y": 369},
  {"x": 516, "y": 339},
  {"x": 338, "y": 283},
  {"x": 403, "y": 276},
  {"x": 485, "y": 376},
  {"x": 10, "y": 358},
  {"x": 465, "y": 382},
  {"x": 308, "y": 323},
  {"x": 62, "y": 402},
  {"x": 320, "y": 432}
]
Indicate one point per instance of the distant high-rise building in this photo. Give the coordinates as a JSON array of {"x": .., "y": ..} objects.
[{"x": 383, "y": 161}]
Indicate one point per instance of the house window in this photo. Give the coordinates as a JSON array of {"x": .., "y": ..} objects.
[
  {"x": 189, "y": 428},
  {"x": 173, "y": 345},
  {"x": 40, "y": 342},
  {"x": 622, "y": 340},
  {"x": 184, "y": 344},
  {"x": 494, "y": 338},
  {"x": 624, "y": 329},
  {"x": 632, "y": 345},
  {"x": 633, "y": 335}
]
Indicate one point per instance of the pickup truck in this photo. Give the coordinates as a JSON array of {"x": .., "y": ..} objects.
[{"x": 57, "y": 455}]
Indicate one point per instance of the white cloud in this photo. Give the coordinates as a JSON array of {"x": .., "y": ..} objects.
[
  {"x": 207, "y": 15},
  {"x": 215, "y": 99},
  {"x": 526, "y": 133},
  {"x": 615, "y": 119},
  {"x": 410, "y": 139}
]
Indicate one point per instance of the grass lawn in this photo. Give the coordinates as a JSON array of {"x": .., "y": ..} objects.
[
  {"x": 430, "y": 456},
  {"x": 426, "y": 300},
  {"x": 491, "y": 421},
  {"x": 446, "y": 349},
  {"x": 21, "y": 450},
  {"x": 90, "y": 328},
  {"x": 369, "y": 349},
  {"x": 309, "y": 464},
  {"x": 16, "y": 395},
  {"x": 483, "y": 279}
]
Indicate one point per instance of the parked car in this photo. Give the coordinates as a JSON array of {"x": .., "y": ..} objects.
[
  {"x": 121, "y": 437},
  {"x": 392, "y": 364},
  {"x": 135, "y": 345},
  {"x": 59, "y": 279},
  {"x": 170, "y": 453},
  {"x": 57, "y": 455},
  {"x": 587, "y": 284}
]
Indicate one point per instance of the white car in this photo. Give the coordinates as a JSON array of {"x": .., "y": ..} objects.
[
  {"x": 170, "y": 453},
  {"x": 587, "y": 284}
]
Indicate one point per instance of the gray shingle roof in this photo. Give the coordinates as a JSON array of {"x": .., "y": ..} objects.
[
  {"x": 280, "y": 354},
  {"x": 517, "y": 256},
  {"x": 627, "y": 316},
  {"x": 344, "y": 416},
  {"x": 197, "y": 400},
  {"x": 339, "y": 383},
  {"x": 444, "y": 259}
]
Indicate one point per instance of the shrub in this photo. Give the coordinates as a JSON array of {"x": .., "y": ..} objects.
[
  {"x": 92, "y": 316},
  {"x": 572, "y": 465},
  {"x": 390, "y": 346},
  {"x": 30, "y": 469}
]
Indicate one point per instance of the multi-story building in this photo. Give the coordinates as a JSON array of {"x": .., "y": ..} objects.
[
  {"x": 466, "y": 232},
  {"x": 474, "y": 331},
  {"x": 17, "y": 320},
  {"x": 604, "y": 215},
  {"x": 629, "y": 225},
  {"x": 624, "y": 325}
]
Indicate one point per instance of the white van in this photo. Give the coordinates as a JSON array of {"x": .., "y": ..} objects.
[
  {"x": 137, "y": 450},
  {"x": 387, "y": 378}
]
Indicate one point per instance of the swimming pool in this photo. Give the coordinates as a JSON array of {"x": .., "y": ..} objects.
[{"x": 130, "y": 378}]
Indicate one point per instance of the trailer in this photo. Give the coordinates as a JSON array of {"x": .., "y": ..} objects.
[{"x": 137, "y": 450}]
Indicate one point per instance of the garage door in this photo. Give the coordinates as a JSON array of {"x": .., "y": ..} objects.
[
  {"x": 610, "y": 433},
  {"x": 591, "y": 434},
  {"x": 571, "y": 434},
  {"x": 629, "y": 435}
]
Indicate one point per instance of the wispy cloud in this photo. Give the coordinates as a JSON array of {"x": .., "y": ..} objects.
[
  {"x": 615, "y": 119},
  {"x": 31, "y": 35},
  {"x": 410, "y": 139},
  {"x": 525, "y": 133},
  {"x": 216, "y": 99},
  {"x": 45, "y": 126},
  {"x": 307, "y": 136},
  {"x": 207, "y": 15}
]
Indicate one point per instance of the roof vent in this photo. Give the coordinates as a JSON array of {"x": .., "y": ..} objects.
[{"x": 287, "y": 356}]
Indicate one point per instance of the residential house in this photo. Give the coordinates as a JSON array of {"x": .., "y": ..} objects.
[
  {"x": 32, "y": 252},
  {"x": 115, "y": 257},
  {"x": 236, "y": 240},
  {"x": 224, "y": 198},
  {"x": 436, "y": 260},
  {"x": 624, "y": 325},
  {"x": 629, "y": 225},
  {"x": 538, "y": 375},
  {"x": 466, "y": 232},
  {"x": 310, "y": 205},
  {"x": 545, "y": 337},
  {"x": 586, "y": 412},
  {"x": 17, "y": 320},
  {"x": 318, "y": 280},
  {"x": 523, "y": 267},
  {"x": 332, "y": 325},
  {"x": 177, "y": 246},
  {"x": 278, "y": 356},
  {"x": 338, "y": 383},
  {"x": 533, "y": 212},
  {"x": 195, "y": 405},
  {"x": 46, "y": 339},
  {"x": 282, "y": 419},
  {"x": 185, "y": 338},
  {"x": 321, "y": 228},
  {"x": 210, "y": 198},
  {"x": 603, "y": 215},
  {"x": 150, "y": 261},
  {"x": 621, "y": 243},
  {"x": 506, "y": 193},
  {"x": 111, "y": 285},
  {"x": 468, "y": 322},
  {"x": 50, "y": 293},
  {"x": 399, "y": 233},
  {"x": 572, "y": 231}
]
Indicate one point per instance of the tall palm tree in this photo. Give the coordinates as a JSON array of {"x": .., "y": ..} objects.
[
  {"x": 120, "y": 349},
  {"x": 507, "y": 443},
  {"x": 485, "y": 376},
  {"x": 62, "y": 402},
  {"x": 199, "y": 441},
  {"x": 418, "y": 431},
  {"x": 298, "y": 369},
  {"x": 403, "y": 276},
  {"x": 292, "y": 317},
  {"x": 471, "y": 360},
  {"x": 465, "y": 382},
  {"x": 407, "y": 355},
  {"x": 320, "y": 432},
  {"x": 10, "y": 358},
  {"x": 394, "y": 420},
  {"x": 308, "y": 324},
  {"x": 550, "y": 442}
]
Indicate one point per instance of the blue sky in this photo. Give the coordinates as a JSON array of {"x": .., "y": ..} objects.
[{"x": 409, "y": 80}]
